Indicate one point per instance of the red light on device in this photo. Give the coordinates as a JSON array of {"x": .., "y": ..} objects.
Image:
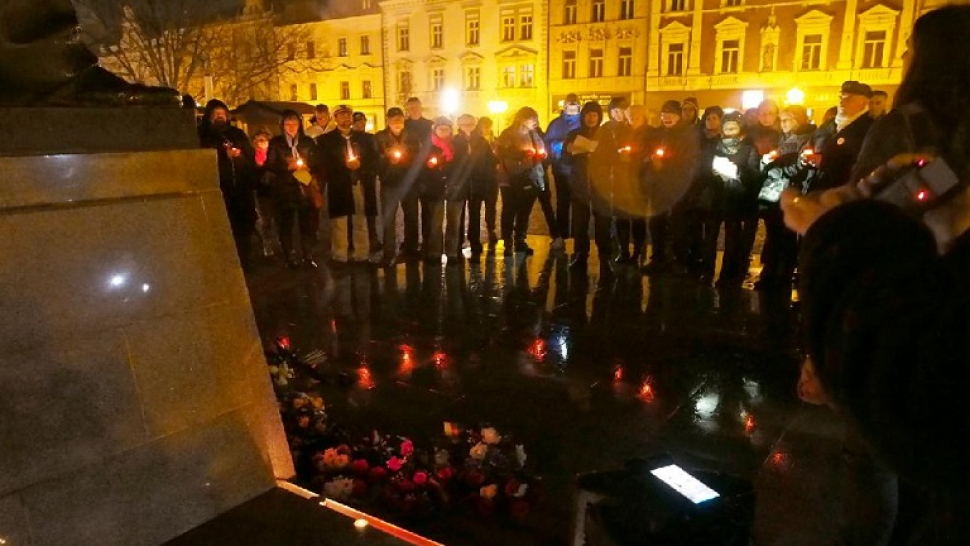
[{"x": 921, "y": 163}]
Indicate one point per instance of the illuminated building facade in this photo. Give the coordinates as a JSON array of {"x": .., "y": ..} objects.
[
  {"x": 734, "y": 52},
  {"x": 475, "y": 56}
]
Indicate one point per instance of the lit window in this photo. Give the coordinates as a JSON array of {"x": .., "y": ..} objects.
[
  {"x": 626, "y": 9},
  {"x": 311, "y": 50},
  {"x": 873, "y": 49},
  {"x": 526, "y": 75},
  {"x": 599, "y": 11},
  {"x": 365, "y": 45},
  {"x": 730, "y": 50},
  {"x": 675, "y": 60},
  {"x": 526, "y": 27},
  {"x": 437, "y": 33},
  {"x": 677, "y": 5},
  {"x": 569, "y": 13},
  {"x": 344, "y": 90},
  {"x": 812, "y": 52},
  {"x": 313, "y": 91},
  {"x": 403, "y": 38},
  {"x": 438, "y": 79},
  {"x": 508, "y": 76},
  {"x": 568, "y": 65},
  {"x": 508, "y": 28},
  {"x": 626, "y": 62},
  {"x": 595, "y": 63},
  {"x": 473, "y": 28},
  {"x": 473, "y": 78},
  {"x": 365, "y": 89},
  {"x": 342, "y": 47}
]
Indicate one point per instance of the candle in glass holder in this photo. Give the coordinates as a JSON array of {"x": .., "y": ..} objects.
[{"x": 299, "y": 162}]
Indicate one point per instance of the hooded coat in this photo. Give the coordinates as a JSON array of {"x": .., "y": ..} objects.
[
  {"x": 581, "y": 171},
  {"x": 237, "y": 176},
  {"x": 285, "y": 188},
  {"x": 666, "y": 179}
]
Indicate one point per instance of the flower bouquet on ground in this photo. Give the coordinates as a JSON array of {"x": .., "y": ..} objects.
[
  {"x": 307, "y": 427},
  {"x": 490, "y": 474},
  {"x": 381, "y": 472}
]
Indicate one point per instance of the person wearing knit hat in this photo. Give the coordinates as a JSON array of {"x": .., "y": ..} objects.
[{"x": 237, "y": 173}]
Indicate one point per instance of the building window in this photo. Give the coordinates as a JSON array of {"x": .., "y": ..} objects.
[
  {"x": 366, "y": 91},
  {"x": 525, "y": 26},
  {"x": 526, "y": 75},
  {"x": 291, "y": 52},
  {"x": 311, "y": 50},
  {"x": 675, "y": 60},
  {"x": 473, "y": 78},
  {"x": 404, "y": 82},
  {"x": 437, "y": 79},
  {"x": 626, "y": 9},
  {"x": 403, "y": 38},
  {"x": 568, "y": 65},
  {"x": 732, "y": 3},
  {"x": 313, "y": 91},
  {"x": 473, "y": 28},
  {"x": 366, "y": 4},
  {"x": 595, "y": 63},
  {"x": 729, "y": 56},
  {"x": 508, "y": 76},
  {"x": 437, "y": 33},
  {"x": 677, "y": 5},
  {"x": 508, "y": 28},
  {"x": 873, "y": 49},
  {"x": 344, "y": 90},
  {"x": 812, "y": 52},
  {"x": 342, "y": 47},
  {"x": 569, "y": 13},
  {"x": 599, "y": 11},
  {"x": 294, "y": 92},
  {"x": 626, "y": 62},
  {"x": 365, "y": 45}
]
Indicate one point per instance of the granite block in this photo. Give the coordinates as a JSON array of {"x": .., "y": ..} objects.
[
  {"x": 14, "y": 528},
  {"x": 66, "y": 407},
  {"x": 155, "y": 491}
]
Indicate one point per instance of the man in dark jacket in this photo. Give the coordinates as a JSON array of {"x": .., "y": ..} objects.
[
  {"x": 840, "y": 150},
  {"x": 418, "y": 126},
  {"x": 580, "y": 147},
  {"x": 476, "y": 171},
  {"x": 349, "y": 164},
  {"x": 666, "y": 177},
  {"x": 398, "y": 174},
  {"x": 555, "y": 139},
  {"x": 294, "y": 190},
  {"x": 237, "y": 173}
]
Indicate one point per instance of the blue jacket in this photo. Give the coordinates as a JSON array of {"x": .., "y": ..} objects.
[{"x": 556, "y": 136}]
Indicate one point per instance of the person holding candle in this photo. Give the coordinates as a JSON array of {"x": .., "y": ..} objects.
[
  {"x": 619, "y": 151},
  {"x": 349, "y": 163},
  {"x": 555, "y": 139},
  {"x": 522, "y": 156},
  {"x": 398, "y": 175},
  {"x": 476, "y": 167},
  {"x": 287, "y": 159},
  {"x": 436, "y": 174}
]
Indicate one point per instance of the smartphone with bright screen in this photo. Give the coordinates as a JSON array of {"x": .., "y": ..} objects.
[{"x": 684, "y": 483}]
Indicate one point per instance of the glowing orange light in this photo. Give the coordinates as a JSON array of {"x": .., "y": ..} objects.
[
  {"x": 625, "y": 150},
  {"x": 440, "y": 360},
  {"x": 433, "y": 162},
  {"x": 773, "y": 154},
  {"x": 808, "y": 152},
  {"x": 922, "y": 195},
  {"x": 364, "y": 378},
  {"x": 646, "y": 392},
  {"x": 299, "y": 162},
  {"x": 397, "y": 154},
  {"x": 660, "y": 152},
  {"x": 749, "y": 424},
  {"x": 351, "y": 157},
  {"x": 283, "y": 342},
  {"x": 618, "y": 373},
  {"x": 538, "y": 349}
]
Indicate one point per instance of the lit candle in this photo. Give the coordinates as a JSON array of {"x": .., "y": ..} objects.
[
  {"x": 299, "y": 162},
  {"x": 625, "y": 150},
  {"x": 807, "y": 152},
  {"x": 397, "y": 154},
  {"x": 659, "y": 153},
  {"x": 772, "y": 155},
  {"x": 360, "y": 524},
  {"x": 433, "y": 162}
]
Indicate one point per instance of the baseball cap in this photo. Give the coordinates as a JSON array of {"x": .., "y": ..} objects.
[{"x": 853, "y": 87}]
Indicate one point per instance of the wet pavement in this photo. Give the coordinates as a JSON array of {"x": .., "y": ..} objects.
[{"x": 587, "y": 372}]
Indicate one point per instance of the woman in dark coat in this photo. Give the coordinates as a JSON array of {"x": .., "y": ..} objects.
[
  {"x": 730, "y": 169},
  {"x": 288, "y": 154},
  {"x": 438, "y": 183},
  {"x": 476, "y": 169},
  {"x": 586, "y": 202},
  {"x": 521, "y": 154}
]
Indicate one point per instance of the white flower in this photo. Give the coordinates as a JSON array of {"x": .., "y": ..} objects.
[
  {"x": 339, "y": 488},
  {"x": 478, "y": 452},
  {"x": 520, "y": 455},
  {"x": 490, "y": 436}
]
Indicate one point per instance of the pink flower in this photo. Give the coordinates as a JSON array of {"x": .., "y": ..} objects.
[
  {"x": 420, "y": 478},
  {"x": 407, "y": 448},
  {"x": 446, "y": 473},
  {"x": 394, "y": 464}
]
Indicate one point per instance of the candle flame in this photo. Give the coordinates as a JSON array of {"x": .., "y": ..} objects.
[{"x": 660, "y": 152}]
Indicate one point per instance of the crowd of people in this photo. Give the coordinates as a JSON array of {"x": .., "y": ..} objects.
[{"x": 677, "y": 185}]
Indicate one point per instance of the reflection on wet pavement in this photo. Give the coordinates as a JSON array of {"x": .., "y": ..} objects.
[{"x": 588, "y": 372}]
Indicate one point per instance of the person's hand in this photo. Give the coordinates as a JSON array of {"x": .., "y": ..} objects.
[
  {"x": 809, "y": 387},
  {"x": 291, "y": 164},
  {"x": 353, "y": 163},
  {"x": 801, "y": 211},
  {"x": 234, "y": 152}
]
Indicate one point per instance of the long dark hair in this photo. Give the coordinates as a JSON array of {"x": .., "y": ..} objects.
[
  {"x": 939, "y": 73},
  {"x": 524, "y": 114}
]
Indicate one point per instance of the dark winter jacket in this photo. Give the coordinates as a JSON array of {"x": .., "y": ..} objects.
[
  {"x": 476, "y": 165},
  {"x": 438, "y": 176},
  {"x": 238, "y": 176},
  {"x": 555, "y": 139},
  {"x": 419, "y": 129},
  {"x": 520, "y": 154},
  {"x": 666, "y": 178},
  {"x": 285, "y": 189},
  {"x": 331, "y": 160},
  {"x": 840, "y": 150},
  {"x": 735, "y": 198},
  {"x": 764, "y": 139},
  {"x": 786, "y": 170},
  {"x": 394, "y": 170}
]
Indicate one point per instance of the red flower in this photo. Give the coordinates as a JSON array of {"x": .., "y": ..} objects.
[
  {"x": 519, "y": 509},
  {"x": 420, "y": 478},
  {"x": 446, "y": 473},
  {"x": 406, "y": 485},
  {"x": 360, "y": 488},
  {"x": 360, "y": 467},
  {"x": 512, "y": 487},
  {"x": 407, "y": 448},
  {"x": 394, "y": 464},
  {"x": 377, "y": 474}
]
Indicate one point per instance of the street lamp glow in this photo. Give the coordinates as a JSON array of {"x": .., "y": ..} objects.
[
  {"x": 450, "y": 101},
  {"x": 752, "y": 98},
  {"x": 795, "y": 96},
  {"x": 498, "y": 107}
]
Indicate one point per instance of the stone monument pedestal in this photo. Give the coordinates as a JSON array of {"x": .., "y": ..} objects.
[{"x": 134, "y": 398}]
